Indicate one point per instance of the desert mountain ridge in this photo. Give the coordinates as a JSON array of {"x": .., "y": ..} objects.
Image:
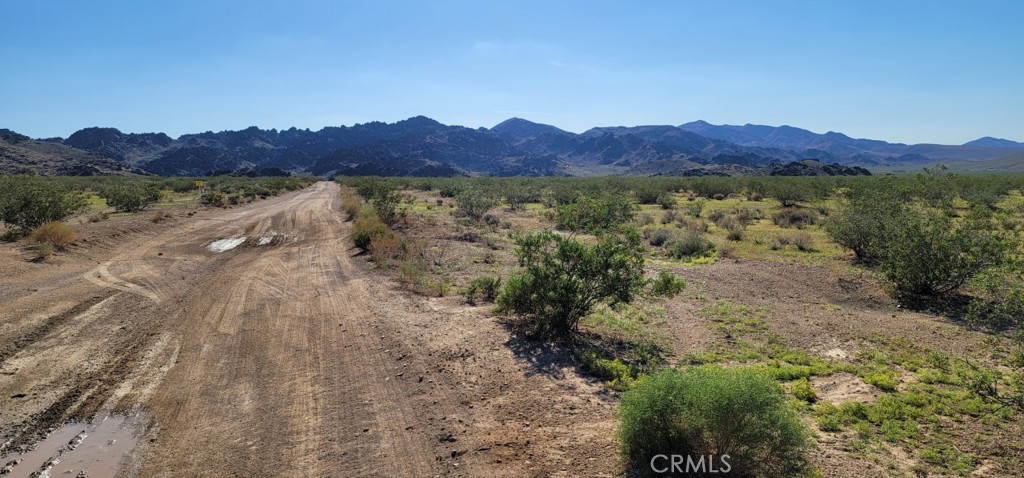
[{"x": 421, "y": 146}]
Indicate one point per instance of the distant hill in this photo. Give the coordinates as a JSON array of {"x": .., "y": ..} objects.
[
  {"x": 421, "y": 146},
  {"x": 518, "y": 128},
  {"x": 1011, "y": 163},
  {"x": 20, "y": 154},
  {"x": 990, "y": 142},
  {"x": 842, "y": 148}
]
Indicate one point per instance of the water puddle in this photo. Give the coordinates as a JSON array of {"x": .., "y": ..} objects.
[
  {"x": 271, "y": 239},
  {"x": 76, "y": 449},
  {"x": 225, "y": 244}
]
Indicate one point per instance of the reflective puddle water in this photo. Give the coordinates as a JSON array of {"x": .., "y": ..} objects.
[
  {"x": 76, "y": 449},
  {"x": 225, "y": 244}
]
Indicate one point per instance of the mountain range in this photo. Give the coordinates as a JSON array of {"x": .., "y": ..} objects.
[{"x": 420, "y": 146}]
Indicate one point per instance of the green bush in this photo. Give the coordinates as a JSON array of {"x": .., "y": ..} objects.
[
  {"x": 658, "y": 237},
  {"x": 667, "y": 201},
  {"x": 130, "y": 196},
  {"x": 594, "y": 215},
  {"x": 667, "y": 284},
  {"x": 713, "y": 411},
  {"x": 367, "y": 227},
  {"x": 795, "y": 217},
  {"x": 930, "y": 255},
  {"x": 563, "y": 279},
  {"x": 485, "y": 288},
  {"x": 212, "y": 198},
  {"x": 689, "y": 244},
  {"x": 474, "y": 203},
  {"x": 29, "y": 202}
]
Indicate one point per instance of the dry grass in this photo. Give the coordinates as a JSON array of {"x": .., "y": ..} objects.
[
  {"x": 161, "y": 215},
  {"x": 55, "y": 233},
  {"x": 351, "y": 202}
]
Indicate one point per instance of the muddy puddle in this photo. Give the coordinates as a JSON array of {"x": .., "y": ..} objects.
[
  {"x": 94, "y": 449},
  {"x": 225, "y": 244}
]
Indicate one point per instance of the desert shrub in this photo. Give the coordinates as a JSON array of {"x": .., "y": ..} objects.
[
  {"x": 658, "y": 237},
  {"x": 717, "y": 215},
  {"x": 794, "y": 217},
  {"x": 596, "y": 214},
  {"x": 212, "y": 198},
  {"x": 482, "y": 288},
  {"x": 130, "y": 196},
  {"x": 616, "y": 374},
  {"x": 162, "y": 215},
  {"x": 728, "y": 222},
  {"x": 727, "y": 250},
  {"x": 492, "y": 220},
  {"x": 718, "y": 197},
  {"x": 351, "y": 203},
  {"x": 735, "y": 234},
  {"x": 29, "y": 202},
  {"x": 693, "y": 225},
  {"x": 929, "y": 255},
  {"x": 789, "y": 193},
  {"x": 647, "y": 195},
  {"x": 667, "y": 201},
  {"x": 754, "y": 196},
  {"x": 644, "y": 219},
  {"x": 865, "y": 220},
  {"x": 474, "y": 203},
  {"x": 44, "y": 251},
  {"x": 388, "y": 207},
  {"x": 669, "y": 216},
  {"x": 693, "y": 207},
  {"x": 689, "y": 244},
  {"x": 367, "y": 227},
  {"x": 56, "y": 233},
  {"x": 801, "y": 389},
  {"x": 1000, "y": 304},
  {"x": 667, "y": 284},
  {"x": 99, "y": 217},
  {"x": 563, "y": 279},
  {"x": 712, "y": 411},
  {"x": 802, "y": 241}
]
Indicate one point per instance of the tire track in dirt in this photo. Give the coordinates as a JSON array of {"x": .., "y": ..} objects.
[
  {"x": 282, "y": 369},
  {"x": 13, "y": 346}
]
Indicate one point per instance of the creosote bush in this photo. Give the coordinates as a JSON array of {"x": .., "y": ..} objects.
[
  {"x": 483, "y": 288},
  {"x": 596, "y": 214},
  {"x": 563, "y": 279},
  {"x": 713, "y": 411},
  {"x": 29, "y": 202}
]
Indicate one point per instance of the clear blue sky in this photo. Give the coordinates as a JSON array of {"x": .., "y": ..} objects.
[{"x": 929, "y": 71}]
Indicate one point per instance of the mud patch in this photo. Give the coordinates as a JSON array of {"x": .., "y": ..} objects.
[
  {"x": 96, "y": 449},
  {"x": 225, "y": 244},
  {"x": 843, "y": 387},
  {"x": 270, "y": 239}
]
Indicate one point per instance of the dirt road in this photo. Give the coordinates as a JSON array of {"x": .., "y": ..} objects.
[{"x": 284, "y": 356}]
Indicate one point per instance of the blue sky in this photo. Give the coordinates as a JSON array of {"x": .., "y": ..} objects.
[{"x": 944, "y": 72}]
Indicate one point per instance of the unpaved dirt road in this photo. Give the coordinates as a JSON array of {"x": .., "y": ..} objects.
[{"x": 285, "y": 356}]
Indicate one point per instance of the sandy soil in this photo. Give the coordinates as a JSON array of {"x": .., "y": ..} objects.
[{"x": 291, "y": 358}]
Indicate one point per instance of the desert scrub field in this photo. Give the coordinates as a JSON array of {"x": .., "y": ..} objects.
[
  {"x": 35, "y": 206},
  {"x": 883, "y": 308}
]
